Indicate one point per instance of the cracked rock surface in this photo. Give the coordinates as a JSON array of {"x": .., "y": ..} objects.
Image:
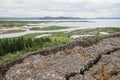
[{"x": 96, "y": 62}]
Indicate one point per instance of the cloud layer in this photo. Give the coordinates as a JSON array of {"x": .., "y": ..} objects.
[{"x": 73, "y": 8}]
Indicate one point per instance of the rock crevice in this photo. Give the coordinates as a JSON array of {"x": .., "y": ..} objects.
[
  {"x": 91, "y": 64},
  {"x": 71, "y": 62}
]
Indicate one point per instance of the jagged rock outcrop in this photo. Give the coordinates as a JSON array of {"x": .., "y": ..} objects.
[{"x": 100, "y": 61}]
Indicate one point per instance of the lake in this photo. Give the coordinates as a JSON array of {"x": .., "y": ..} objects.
[
  {"x": 73, "y": 24},
  {"x": 84, "y": 23}
]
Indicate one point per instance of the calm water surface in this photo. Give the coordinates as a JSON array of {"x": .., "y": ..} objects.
[{"x": 73, "y": 24}]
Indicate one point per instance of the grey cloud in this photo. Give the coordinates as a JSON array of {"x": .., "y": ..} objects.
[{"x": 77, "y": 8}]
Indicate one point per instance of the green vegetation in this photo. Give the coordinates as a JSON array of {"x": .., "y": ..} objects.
[
  {"x": 11, "y": 31},
  {"x": 1, "y": 31},
  {"x": 12, "y": 23},
  {"x": 17, "y": 44},
  {"x": 18, "y": 23},
  {"x": 94, "y": 31},
  {"x": 49, "y": 28},
  {"x": 14, "y": 48},
  {"x": 60, "y": 40},
  {"x": 32, "y": 35},
  {"x": 109, "y": 29}
]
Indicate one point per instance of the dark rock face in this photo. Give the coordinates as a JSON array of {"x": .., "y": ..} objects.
[
  {"x": 96, "y": 62},
  {"x": 108, "y": 68}
]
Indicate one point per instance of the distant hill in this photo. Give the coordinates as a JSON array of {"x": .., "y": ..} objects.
[
  {"x": 47, "y": 18},
  {"x": 78, "y": 18},
  {"x": 40, "y": 18},
  {"x": 108, "y": 18},
  {"x": 59, "y": 18}
]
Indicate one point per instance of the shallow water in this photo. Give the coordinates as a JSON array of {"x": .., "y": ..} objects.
[
  {"x": 89, "y": 24},
  {"x": 74, "y": 26},
  {"x": 29, "y": 32}
]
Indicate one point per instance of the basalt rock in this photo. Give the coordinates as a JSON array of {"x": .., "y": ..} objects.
[{"x": 99, "y": 61}]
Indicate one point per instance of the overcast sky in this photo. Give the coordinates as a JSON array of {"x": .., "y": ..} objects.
[{"x": 54, "y": 8}]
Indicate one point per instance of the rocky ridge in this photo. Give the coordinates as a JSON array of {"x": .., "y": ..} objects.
[{"x": 100, "y": 61}]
